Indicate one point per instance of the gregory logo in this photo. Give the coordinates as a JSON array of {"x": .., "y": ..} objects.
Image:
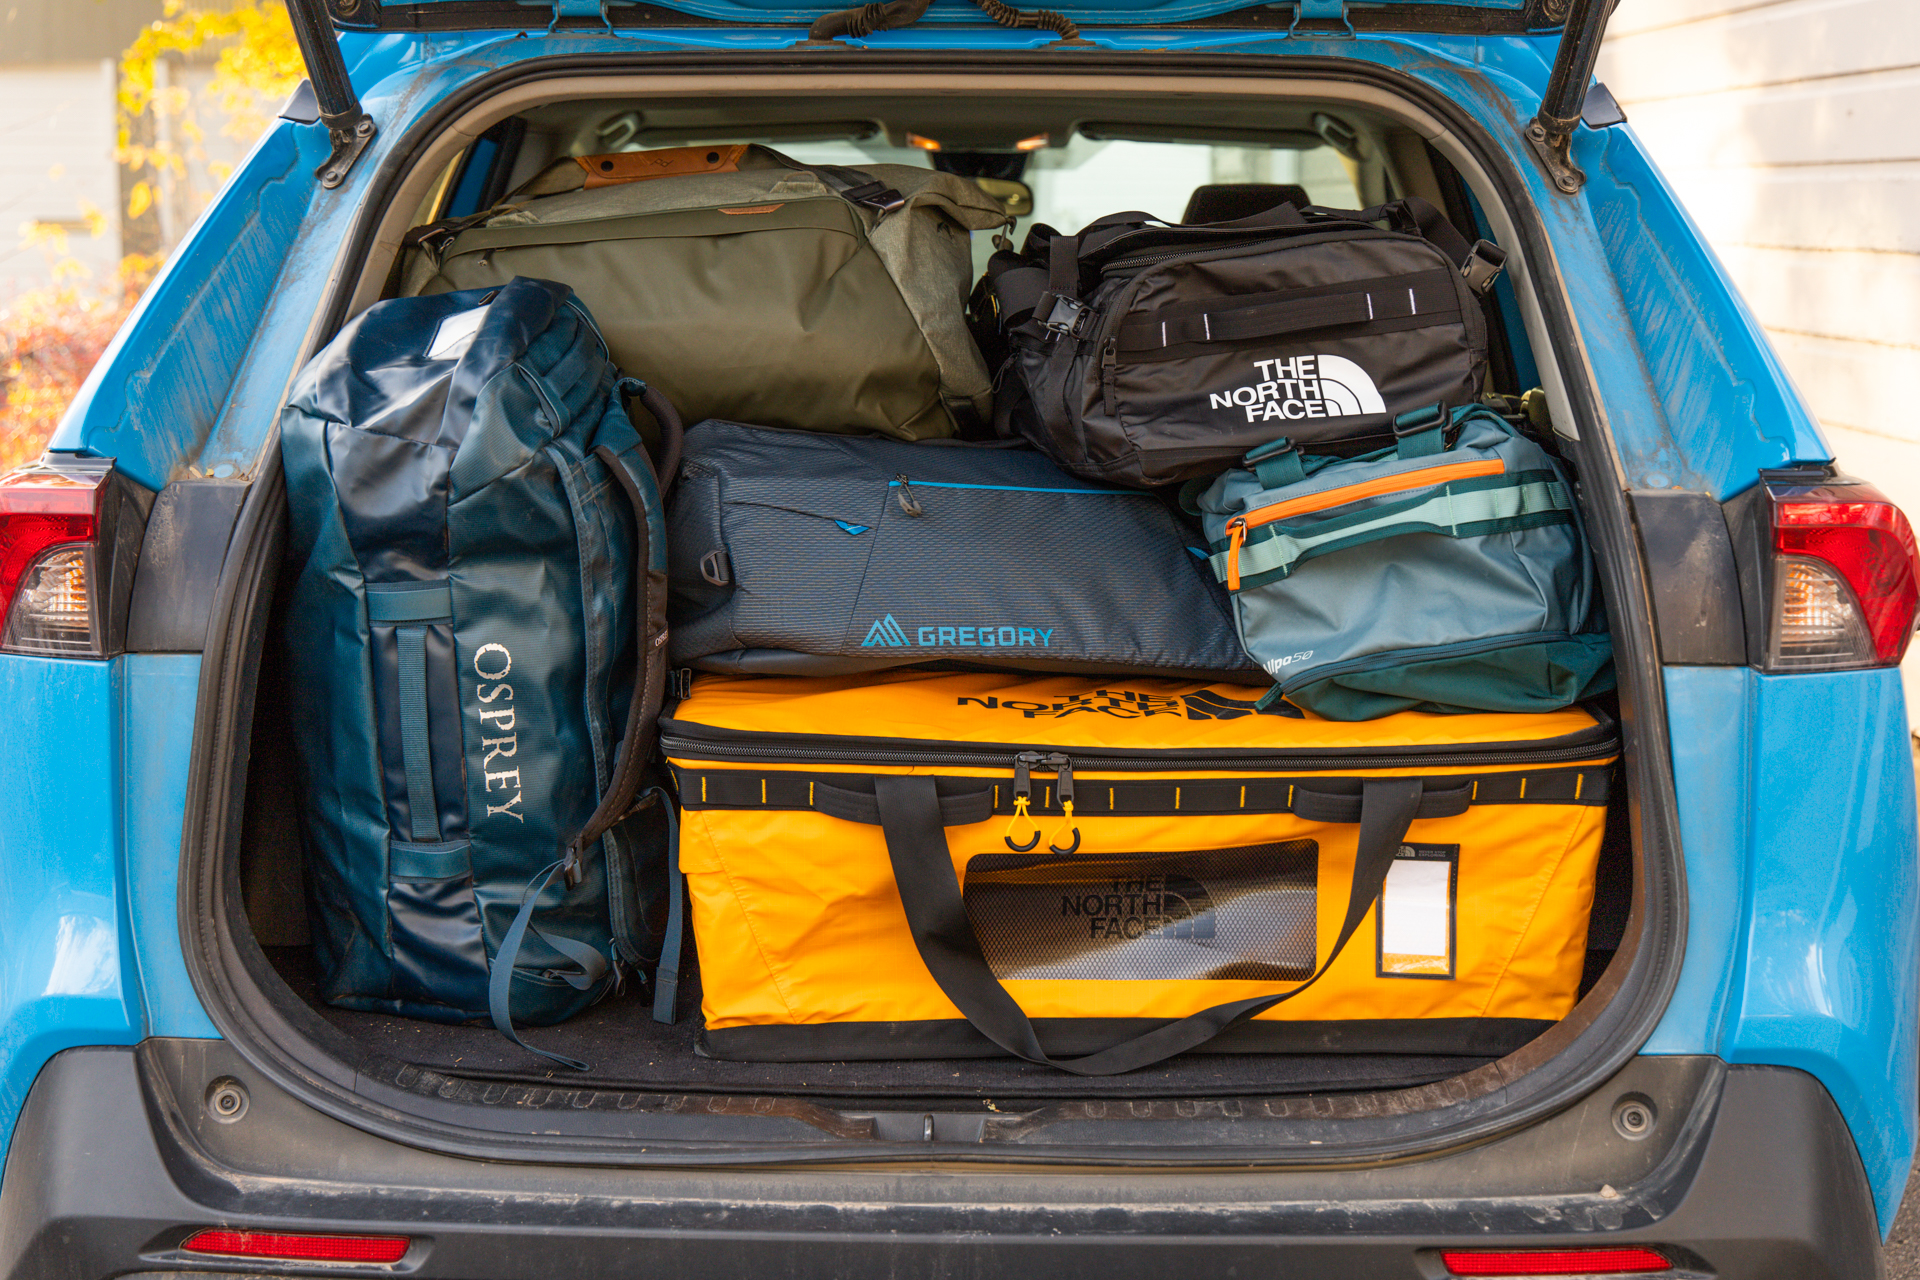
[
  {"x": 1303, "y": 387},
  {"x": 1171, "y": 906},
  {"x": 493, "y": 662},
  {"x": 887, "y": 633}
]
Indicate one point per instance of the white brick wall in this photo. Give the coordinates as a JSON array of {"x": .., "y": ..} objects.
[
  {"x": 1791, "y": 128},
  {"x": 56, "y": 158}
]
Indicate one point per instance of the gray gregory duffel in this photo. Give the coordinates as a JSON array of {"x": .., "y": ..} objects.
[
  {"x": 793, "y": 553},
  {"x": 745, "y": 285}
]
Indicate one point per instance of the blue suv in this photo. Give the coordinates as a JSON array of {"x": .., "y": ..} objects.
[{"x": 1734, "y": 1095}]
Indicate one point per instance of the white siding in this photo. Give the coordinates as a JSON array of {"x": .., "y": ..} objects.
[
  {"x": 1791, "y": 128},
  {"x": 56, "y": 160}
]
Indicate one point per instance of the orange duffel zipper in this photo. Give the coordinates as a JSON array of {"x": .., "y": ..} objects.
[{"x": 1307, "y": 504}]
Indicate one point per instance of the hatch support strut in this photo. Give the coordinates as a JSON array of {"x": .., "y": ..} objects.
[
  {"x": 1550, "y": 133},
  {"x": 348, "y": 127}
]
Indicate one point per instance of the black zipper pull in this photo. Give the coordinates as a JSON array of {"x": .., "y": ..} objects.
[
  {"x": 1063, "y": 768},
  {"x": 908, "y": 503},
  {"x": 1108, "y": 353},
  {"x": 1022, "y": 799}
]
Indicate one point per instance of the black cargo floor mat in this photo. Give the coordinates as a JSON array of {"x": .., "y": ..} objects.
[{"x": 627, "y": 1048}]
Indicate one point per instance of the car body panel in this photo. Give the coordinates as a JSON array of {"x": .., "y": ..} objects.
[
  {"x": 1786, "y": 874},
  {"x": 89, "y": 908}
]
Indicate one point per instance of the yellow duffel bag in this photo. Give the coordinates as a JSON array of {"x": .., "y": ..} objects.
[{"x": 1100, "y": 874}]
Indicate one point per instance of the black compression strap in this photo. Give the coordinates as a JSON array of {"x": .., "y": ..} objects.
[
  {"x": 936, "y": 913},
  {"x": 1423, "y": 298},
  {"x": 1316, "y": 798}
]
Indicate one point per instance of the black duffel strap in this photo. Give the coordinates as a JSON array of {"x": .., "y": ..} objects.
[
  {"x": 1420, "y": 295},
  {"x": 959, "y": 806},
  {"x": 936, "y": 912},
  {"x": 1319, "y": 798}
]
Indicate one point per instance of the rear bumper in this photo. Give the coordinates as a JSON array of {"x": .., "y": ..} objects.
[{"x": 1750, "y": 1173}]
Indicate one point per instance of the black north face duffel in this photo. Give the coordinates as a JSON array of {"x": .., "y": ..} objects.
[{"x": 1139, "y": 353}]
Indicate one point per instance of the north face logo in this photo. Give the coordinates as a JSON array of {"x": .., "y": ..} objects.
[
  {"x": 1303, "y": 387},
  {"x": 1129, "y": 908},
  {"x": 886, "y": 632}
]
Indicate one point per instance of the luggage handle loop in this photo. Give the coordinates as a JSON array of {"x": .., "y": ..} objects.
[{"x": 943, "y": 933}]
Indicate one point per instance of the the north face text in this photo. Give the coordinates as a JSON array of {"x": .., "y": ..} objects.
[
  {"x": 1301, "y": 387},
  {"x": 1172, "y": 906}
]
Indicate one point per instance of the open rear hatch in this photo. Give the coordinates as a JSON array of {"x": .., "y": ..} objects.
[{"x": 662, "y": 1097}]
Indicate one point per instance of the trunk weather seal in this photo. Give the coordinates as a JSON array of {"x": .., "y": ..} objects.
[{"x": 325, "y": 1072}]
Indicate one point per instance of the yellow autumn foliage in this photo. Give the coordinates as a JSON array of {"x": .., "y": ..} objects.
[
  {"x": 257, "y": 65},
  {"x": 50, "y": 338}
]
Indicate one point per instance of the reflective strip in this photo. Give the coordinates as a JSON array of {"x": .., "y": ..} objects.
[
  {"x": 414, "y": 751},
  {"x": 1448, "y": 513},
  {"x": 408, "y": 860},
  {"x": 409, "y": 602}
]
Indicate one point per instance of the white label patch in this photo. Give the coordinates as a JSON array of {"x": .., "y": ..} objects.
[
  {"x": 455, "y": 334},
  {"x": 1416, "y": 914}
]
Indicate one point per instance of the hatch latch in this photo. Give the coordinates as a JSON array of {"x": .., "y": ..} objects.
[{"x": 1322, "y": 19}]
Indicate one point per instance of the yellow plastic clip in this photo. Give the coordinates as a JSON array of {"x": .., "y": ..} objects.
[
  {"x": 1066, "y": 820},
  {"x": 1019, "y": 812}
]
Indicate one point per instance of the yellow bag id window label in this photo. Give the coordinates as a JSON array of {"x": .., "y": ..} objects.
[
  {"x": 1243, "y": 914},
  {"x": 1417, "y": 912}
]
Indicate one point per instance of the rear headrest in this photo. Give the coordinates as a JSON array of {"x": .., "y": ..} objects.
[{"x": 1229, "y": 201}]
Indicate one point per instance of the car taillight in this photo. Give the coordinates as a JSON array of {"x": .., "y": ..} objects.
[
  {"x": 69, "y": 534},
  {"x": 1846, "y": 579},
  {"x": 298, "y": 1248},
  {"x": 1554, "y": 1262},
  {"x": 1830, "y": 572}
]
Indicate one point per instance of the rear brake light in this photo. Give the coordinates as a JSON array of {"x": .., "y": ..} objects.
[
  {"x": 299, "y": 1248},
  {"x": 1555, "y": 1262},
  {"x": 1846, "y": 582},
  {"x": 69, "y": 534},
  {"x": 1829, "y": 571}
]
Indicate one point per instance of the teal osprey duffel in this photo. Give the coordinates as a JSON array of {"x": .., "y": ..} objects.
[
  {"x": 476, "y": 631},
  {"x": 1448, "y": 572}
]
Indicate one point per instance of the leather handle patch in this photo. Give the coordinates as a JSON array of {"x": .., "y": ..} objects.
[{"x": 668, "y": 162}]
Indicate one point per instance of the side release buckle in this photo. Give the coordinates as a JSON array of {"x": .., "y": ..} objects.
[
  {"x": 1484, "y": 264},
  {"x": 876, "y": 195},
  {"x": 1068, "y": 317}
]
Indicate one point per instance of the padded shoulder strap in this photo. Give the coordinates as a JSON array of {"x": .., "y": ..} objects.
[{"x": 929, "y": 890}]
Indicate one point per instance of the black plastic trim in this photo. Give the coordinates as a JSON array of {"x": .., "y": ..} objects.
[
  {"x": 1696, "y": 584},
  {"x": 875, "y": 1041},
  {"x": 513, "y": 15},
  {"x": 1748, "y": 1172},
  {"x": 1549, "y": 1075},
  {"x": 179, "y": 571}
]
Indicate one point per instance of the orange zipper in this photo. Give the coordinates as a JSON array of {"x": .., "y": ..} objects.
[{"x": 1309, "y": 503}]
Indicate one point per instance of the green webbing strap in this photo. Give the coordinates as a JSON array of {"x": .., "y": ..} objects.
[
  {"x": 1459, "y": 509},
  {"x": 500, "y": 981},
  {"x": 421, "y": 805},
  {"x": 1277, "y": 464},
  {"x": 666, "y": 978},
  {"x": 1420, "y": 433},
  {"x": 943, "y": 933}
]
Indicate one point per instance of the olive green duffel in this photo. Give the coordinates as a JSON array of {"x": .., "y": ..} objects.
[{"x": 747, "y": 286}]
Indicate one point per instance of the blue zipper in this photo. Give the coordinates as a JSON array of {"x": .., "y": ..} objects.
[{"x": 1015, "y": 488}]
